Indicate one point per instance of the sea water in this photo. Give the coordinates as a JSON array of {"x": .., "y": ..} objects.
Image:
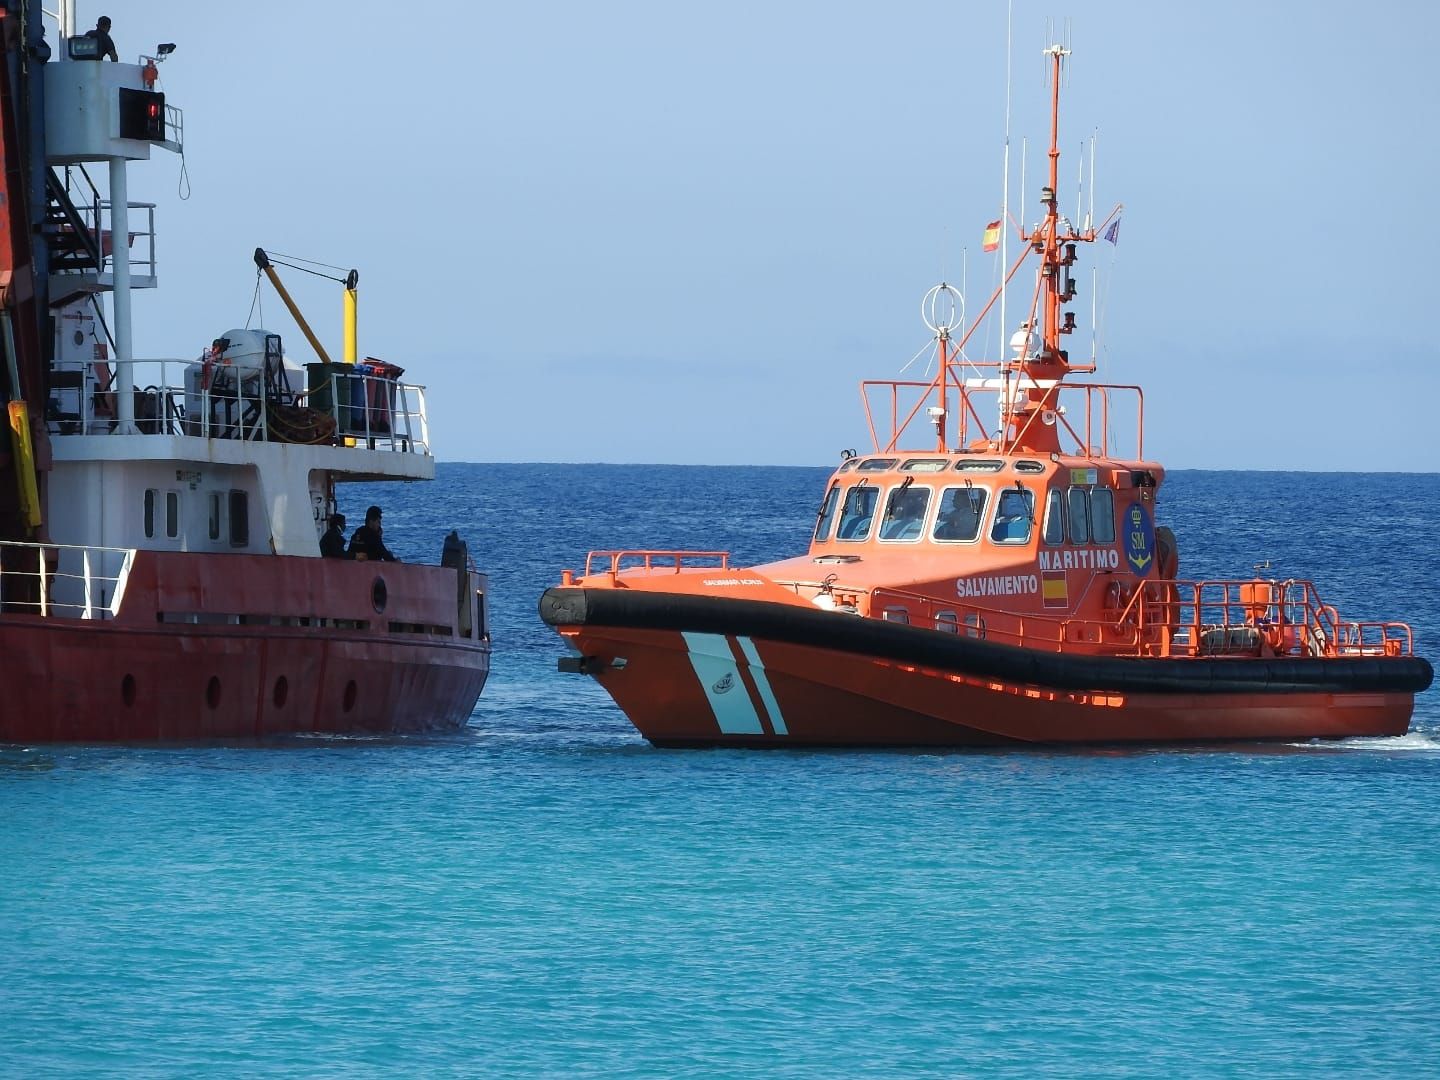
[{"x": 545, "y": 894}]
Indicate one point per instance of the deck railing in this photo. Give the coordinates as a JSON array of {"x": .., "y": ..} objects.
[
  {"x": 1168, "y": 618},
  {"x": 180, "y": 397},
  {"x": 63, "y": 581},
  {"x": 615, "y": 562}
]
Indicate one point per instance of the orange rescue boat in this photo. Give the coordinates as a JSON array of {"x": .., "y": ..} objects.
[{"x": 988, "y": 588}]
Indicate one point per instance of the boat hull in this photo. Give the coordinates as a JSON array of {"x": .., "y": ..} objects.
[
  {"x": 241, "y": 647},
  {"x": 714, "y": 684}
]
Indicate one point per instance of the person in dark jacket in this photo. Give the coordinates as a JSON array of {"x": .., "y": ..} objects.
[
  {"x": 367, "y": 543},
  {"x": 105, "y": 44},
  {"x": 332, "y": 544}
]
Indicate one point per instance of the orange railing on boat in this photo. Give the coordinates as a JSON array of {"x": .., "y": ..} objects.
[
  {"x": 1169, "y": 618},
  {"x": 596, "y": 562},
  {"x": 963, "y": 422}
]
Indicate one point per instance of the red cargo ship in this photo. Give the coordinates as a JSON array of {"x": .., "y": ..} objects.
[{"x": 160, "y": 568}]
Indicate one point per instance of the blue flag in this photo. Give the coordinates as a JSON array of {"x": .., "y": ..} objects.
[{"x": 1113, "y": 232}]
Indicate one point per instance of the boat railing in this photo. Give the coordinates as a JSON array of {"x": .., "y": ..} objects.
[
  {"x": 1168, "y": 618},
  {"x": 615, "y": 563},
  {"x": 219, "y": 401},
  {"x": 1086, "y": 414},
  {"x": 63, "y": 581}
]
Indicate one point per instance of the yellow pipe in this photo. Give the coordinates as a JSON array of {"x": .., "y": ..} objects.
[
  {"x": 263, "y": 262},
  {"x": 352, "y": 351}
]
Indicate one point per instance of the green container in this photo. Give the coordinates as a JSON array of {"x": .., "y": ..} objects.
[{"x": 334, "y": 389}]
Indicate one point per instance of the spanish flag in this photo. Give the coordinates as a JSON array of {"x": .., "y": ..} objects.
[{"x": 992, "y": 236}]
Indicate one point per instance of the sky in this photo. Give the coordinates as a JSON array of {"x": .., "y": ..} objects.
[{"x": 664, "y": 232}]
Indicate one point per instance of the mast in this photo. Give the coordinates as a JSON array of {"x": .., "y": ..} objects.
[{"x": 1042, "y": 365}]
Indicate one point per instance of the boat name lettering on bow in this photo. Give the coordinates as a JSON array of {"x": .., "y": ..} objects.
[
  {"x": 733, "y": 581},
  {"x": 1080, "y": 559},
  {"x": 1007, "y": 585}
]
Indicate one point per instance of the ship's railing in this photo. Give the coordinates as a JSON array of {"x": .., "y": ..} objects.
[
  {"x": 616, "y": 562},
  {"x": 218, "y": 401},
  {"x": 1163, "y": 618},
  {"x": 63, "y": 581},
  {"x": 1086, "y": 414}
]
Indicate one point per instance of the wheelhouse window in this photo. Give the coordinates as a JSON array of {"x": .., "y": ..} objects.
[
  {"x": 961, "y": 510},
  {"x": 1054, "y": 531},
  {"x": 239, "y": 519},
  {"x": 905, "y": 513},
  {"x": 151, "y": 495},
  {"x": 1102, "y": 515},
  {"x": 826, "y": 517},
  {"x": 1078, "y": 516},
  {"x": 858, "y": 512},
  {"x": 216, "y": 504},
  {"x": 172, "y": 514},
  {"x": 1014, "y": 516}
]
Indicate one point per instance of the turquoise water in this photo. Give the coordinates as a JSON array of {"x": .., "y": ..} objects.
[{"x": 547, "y": 895}]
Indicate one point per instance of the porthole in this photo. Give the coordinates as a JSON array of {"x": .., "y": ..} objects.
[
  {"x": 127, "y": 690},
  {"x": 379, "y": 595},
  {"x": 282, "y": 692},
  {"x": 212, "y": 692},
  {"x": 351, "y": 692}
]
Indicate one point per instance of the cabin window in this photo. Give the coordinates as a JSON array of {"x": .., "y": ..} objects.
[
  {"x": 905, "y": 513},
  {"x": 961, "y": 509},
  {"x": 1014, "y": 516},
  {"x": 1102, "y": 515},
  {"x": 215, "y": 505},
  {"x": 1054, "y": 531},
  {"x": 877, "y": 464},
  {"x": 239, "y": 519},
  {"x": 150, "y": 496},
  {"x": 925, "y": 465},
  {"x": 947, "y": 622},
  {"x": 858, "y": 512},
  {"x": 1029, "y": 466},
  {"x": 172, "y": 514},
  {"x": 848, "y": 464},
  {"x": 826, "y": 517},
  {"x": 896, "y": 614},
  {"x": 978, "y": 465},
  {"x": 1078, "y": 519}
]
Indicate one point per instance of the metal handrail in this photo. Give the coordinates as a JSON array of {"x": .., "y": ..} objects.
[
  {"x": 229, "y": 404},
  {"x": 65, "y": 580},
  {"x": 648, "y": 559},
  {"x": 1174, "y": 618}
]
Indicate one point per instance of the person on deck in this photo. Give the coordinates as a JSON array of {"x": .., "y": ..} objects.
[
  {"x": 368, "y": 542},
  {"x": 332, "y": 544},
  {"x": 105, "y": 42}
]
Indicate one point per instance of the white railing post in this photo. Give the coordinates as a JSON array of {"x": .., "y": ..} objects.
[{"x": 85, "y": 569}]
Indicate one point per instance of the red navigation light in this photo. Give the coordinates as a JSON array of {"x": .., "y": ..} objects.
[{"x": 142, "y": 115}]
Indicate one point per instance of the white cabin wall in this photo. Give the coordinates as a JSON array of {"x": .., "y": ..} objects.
[{"x": 104, "y": 505}]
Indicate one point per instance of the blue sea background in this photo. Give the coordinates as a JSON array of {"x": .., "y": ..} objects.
[{"x": 545, "y": 894}]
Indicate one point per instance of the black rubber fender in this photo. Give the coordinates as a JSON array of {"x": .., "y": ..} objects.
[{"x": 791, "y": 624}]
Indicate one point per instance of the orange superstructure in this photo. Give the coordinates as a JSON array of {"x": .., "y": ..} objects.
[{"x": 1004, "y": 582}]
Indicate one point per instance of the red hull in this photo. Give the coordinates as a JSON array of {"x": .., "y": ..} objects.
[
  {"x": 797, "y": 695},
  {"x": 263, "y": 655}
]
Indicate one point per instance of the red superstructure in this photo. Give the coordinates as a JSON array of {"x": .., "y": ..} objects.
[
  {"x": 1004, "y": 582},
  {"x": 160, "y": 519}
]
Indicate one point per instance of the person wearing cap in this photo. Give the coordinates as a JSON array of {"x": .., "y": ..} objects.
[
  {"x": 332, "y": 544},
  {"x": 104, "y": 42},
  {"x": 368, "y": 544}
]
